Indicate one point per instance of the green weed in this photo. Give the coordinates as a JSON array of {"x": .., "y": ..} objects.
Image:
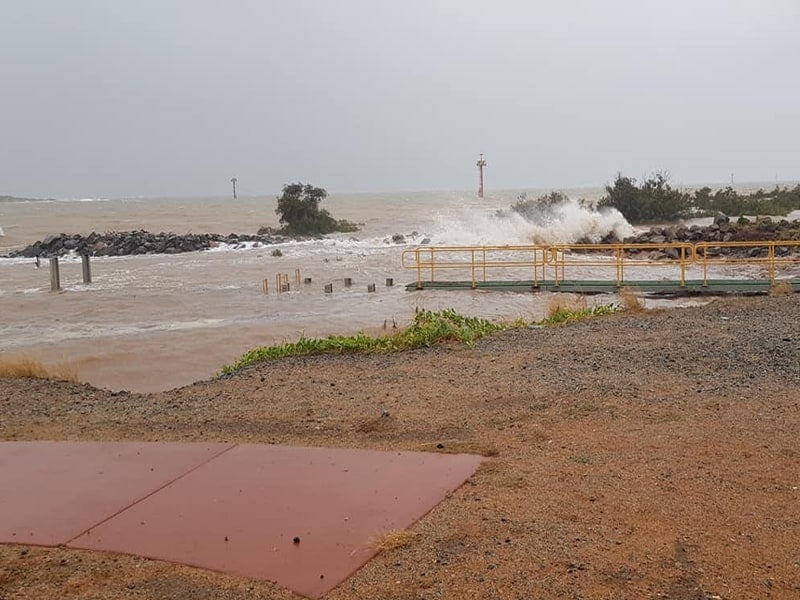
[
  {"x": 566, "y": 315},
  {"x": 428, "y": 328}
]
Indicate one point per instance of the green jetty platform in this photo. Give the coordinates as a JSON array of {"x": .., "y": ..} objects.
[{"x": 711, "y": 287}]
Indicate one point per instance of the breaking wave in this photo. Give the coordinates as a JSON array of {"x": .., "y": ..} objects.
[{"x": 565, "y": 221}]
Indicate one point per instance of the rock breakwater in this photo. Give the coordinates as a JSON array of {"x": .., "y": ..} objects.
[
  {"x": 123, "y": 243},
  {"x": 722, "y": 230}
]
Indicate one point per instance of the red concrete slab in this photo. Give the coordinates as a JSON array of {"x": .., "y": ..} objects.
[
  {"x": 241, "y": 512},
  {"x": 51, "y": 492}
]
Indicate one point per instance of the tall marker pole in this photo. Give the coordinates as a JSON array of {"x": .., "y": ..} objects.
[
  {"x": 481, "y": 164},
  {"x": 233, "y": 181}
]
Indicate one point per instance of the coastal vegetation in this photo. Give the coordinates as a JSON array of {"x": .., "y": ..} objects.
[
  {"x": 654, "y": 199},
  {"x": 300, "y": 213},
  {"x": 19, "y": 367},
  {"x": 560, "y": 314},
  {"x": 427, "y": 329},
  {"x": 539, "y": 210}
]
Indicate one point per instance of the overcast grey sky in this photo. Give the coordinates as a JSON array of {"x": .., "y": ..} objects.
[{"x": 167, "y": 97}]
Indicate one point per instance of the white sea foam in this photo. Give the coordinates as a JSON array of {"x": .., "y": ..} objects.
[
  {"x": 5, "y": 261},
  {"x": 564, "y": 223},
  {"x": 51, "y": 335}
]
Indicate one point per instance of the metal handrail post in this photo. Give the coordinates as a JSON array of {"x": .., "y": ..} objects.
[
  {"x": 419, "y": 271},
  {"x": 472, "y": 253},
  {"x": 771, "y": 256},
  {"x": 683, "y": 266},
  {"x": 555, "y": 263}
]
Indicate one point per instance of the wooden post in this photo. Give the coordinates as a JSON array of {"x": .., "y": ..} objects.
[
  {"x": 266, "y": 286},
  {"x": 307, "y": 280},
  {"x": 328, "y": 288},
  {"x": 389, "y": 282},
  {"x": 348, "y": 282},
  {"x": 297, "y": 276},
  {"x": 55, "y": 275},
  {"x": 371, "y": 287},
  {"x": 87, "y": 268}
]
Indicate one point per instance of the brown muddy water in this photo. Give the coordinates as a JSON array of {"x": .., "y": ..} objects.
[{"x": 149, "y": 323}]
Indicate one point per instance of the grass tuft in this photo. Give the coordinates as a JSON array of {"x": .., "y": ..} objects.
[
  {"x": 631, "y": 300},
  {"x": 392, "y": 540},
  {"x": 565, "y": 303},
  {"x": 781, "y": 288},
  {"x": 564, "y": 315},
  {"x": 20, "y": 366}
]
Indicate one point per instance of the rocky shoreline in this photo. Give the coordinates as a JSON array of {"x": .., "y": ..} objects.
[
  {"x": 722, "y": 230},
  {"x": 124, "y": 243}
]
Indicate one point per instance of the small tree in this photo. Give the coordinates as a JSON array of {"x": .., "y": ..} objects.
[
  {"x": 624, "y": 196},
  {"x": 541, "y": 209},
  {"x": 300, "y": 214},
  {"x": 653, "y": 200}
]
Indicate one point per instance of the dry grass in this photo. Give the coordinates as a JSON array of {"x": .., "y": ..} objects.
[
  {"x": 566, "y": 302},
  {"x": 781, "y": 288},
  {"x": 18, "y": 367},
  {"x": 460, "y": 447},
  {"x": 631, "y": 300},
  {"x": 376, "y": 425},
  {"x": 393, "y": 539}
]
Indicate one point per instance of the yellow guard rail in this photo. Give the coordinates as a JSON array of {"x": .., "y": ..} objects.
[{"x": 550, "y": 263}]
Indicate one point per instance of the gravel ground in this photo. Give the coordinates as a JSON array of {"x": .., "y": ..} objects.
[{"x": 640, "y": 455}]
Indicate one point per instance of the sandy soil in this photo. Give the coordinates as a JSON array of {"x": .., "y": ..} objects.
[{"x": 642, "y": 455}]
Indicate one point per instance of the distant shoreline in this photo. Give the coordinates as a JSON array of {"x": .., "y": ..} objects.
[{"x": 511, "y": 191}]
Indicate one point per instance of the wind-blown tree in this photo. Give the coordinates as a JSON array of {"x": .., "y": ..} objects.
[
  {"x": 542, "y": 209},
  {"x": 300, "y": 214},
  {"x": 653, "y": 200}
]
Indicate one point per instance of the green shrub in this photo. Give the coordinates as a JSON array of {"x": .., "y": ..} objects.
[
  {"x": 427, "y": 329},
  {"x": 300, "y": 214},
  {"x": 653, "y": 200},
  {"x": 567, "y": 315}
]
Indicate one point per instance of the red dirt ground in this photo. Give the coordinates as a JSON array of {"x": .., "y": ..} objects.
[{"x": 640, "y": 455}]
